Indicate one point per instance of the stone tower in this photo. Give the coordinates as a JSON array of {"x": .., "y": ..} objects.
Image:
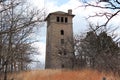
[{"x": 59, "y": 47}]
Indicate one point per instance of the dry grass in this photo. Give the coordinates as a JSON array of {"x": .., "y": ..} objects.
[{"x": 63, "y": 75}]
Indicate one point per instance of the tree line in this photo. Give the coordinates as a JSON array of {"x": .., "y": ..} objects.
[{"x": 97, "y": 51}]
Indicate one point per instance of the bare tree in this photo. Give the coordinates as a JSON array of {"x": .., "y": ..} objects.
[
  {"x": 17, "y": 22},
  {"x": 112, "y": 5}
]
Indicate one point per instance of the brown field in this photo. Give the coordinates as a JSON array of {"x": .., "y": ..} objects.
[{"x": 63, "y": 75}]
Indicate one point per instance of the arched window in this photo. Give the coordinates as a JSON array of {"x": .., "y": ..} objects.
[
  {"x": 66, "y": 19},
  {"x": 62, "y": 19},
  {"x": 62, "y": 32},
  {"x": 58, "y": 19}
]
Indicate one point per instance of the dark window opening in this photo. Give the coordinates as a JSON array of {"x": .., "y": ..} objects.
[
  {"x": 62, "y": 20},
  {"x": 60, "y": 53},
  {"x": 62, "y": 41},
  {"x": 62, "y": 32},
  {"x": 58, "y": 19},
  {"x": 66, "y": 19},
  {"x": 62, "y": 66},
  {"x": 65, "y": 53}
]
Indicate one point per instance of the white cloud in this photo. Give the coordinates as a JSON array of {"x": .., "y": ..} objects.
[
  {"x": 37, "y": 3},
  {"x": 41, "y": 47}
]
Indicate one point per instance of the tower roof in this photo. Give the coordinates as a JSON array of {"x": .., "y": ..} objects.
[
  {"x": 61, "y": 13},
  {"x": 58, "y": 12}
]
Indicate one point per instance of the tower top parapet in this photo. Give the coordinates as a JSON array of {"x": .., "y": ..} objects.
[{"x": 61, "y": 13}]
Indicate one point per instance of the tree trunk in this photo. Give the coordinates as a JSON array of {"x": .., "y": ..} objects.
[{"x": 5, "y": 72}]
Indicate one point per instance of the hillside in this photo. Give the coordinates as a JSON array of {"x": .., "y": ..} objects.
[{"x": 63, "y": 75}]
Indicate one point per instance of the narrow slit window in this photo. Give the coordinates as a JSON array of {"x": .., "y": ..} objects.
[
  {"x": 58, "y": 19},
  {"x": 62, "y": 66},
  {"x": 62, "y": 19},
  {"x": 62, "y": 32},
  {"x": 66, "y": 19}
]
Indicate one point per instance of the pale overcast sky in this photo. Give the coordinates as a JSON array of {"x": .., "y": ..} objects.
[{"x": 79, "y": 22}]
